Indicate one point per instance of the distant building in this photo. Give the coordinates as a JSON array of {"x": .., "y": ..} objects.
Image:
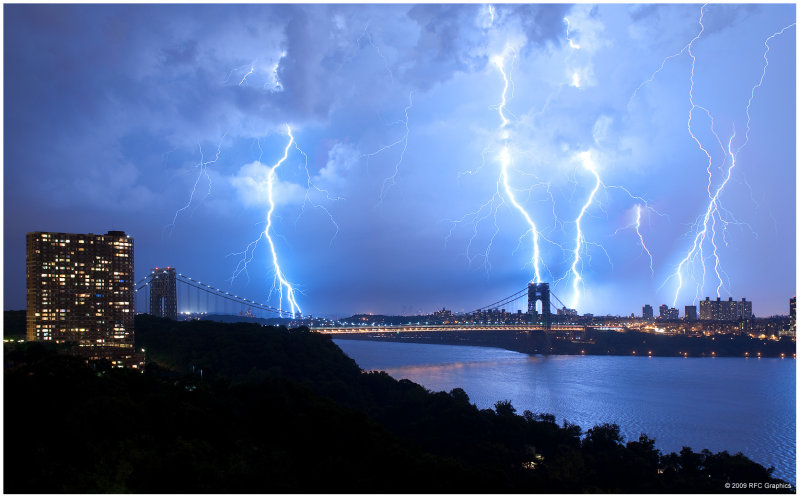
[
  {"x": 690, "y": 313},
  {"x": 647, "y": 312},
  {"x": 443, "y": 314},
  {"x": 792, "y": 314},
  {"x": 729, "y": 310},
  {"x": 564, "y": 311},
  {"x": 745, "y": 309},
  {"x": 163, "y": 293},
  {"x": 80, "y": 290},
  {"x": 667, "y": 313},
  {"x": 707, "y": 309}
]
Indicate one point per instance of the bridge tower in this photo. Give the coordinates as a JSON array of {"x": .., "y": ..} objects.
[
  {"x": 163, "y": 293},
  {"x": 540, "y": 292}
]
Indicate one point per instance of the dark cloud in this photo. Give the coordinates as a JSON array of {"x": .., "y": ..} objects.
[
  {"x": 541, "y": 23},
  {"x": 108, "y": 106}
]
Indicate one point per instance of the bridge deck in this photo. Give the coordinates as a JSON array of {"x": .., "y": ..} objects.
[{"x": 362, "y": 329}]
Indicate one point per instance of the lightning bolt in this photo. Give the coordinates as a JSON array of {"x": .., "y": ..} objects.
[
  {"x": 403, "y": 140},
  {"x": 307, "y": 199},
  {"x": 711, "y": 213},
  {"x": 505, "y": 161},
  {"x": 368, "y": 35},
  {"x": 760, "y": 82},
  {"x": 203, "y": 166},
  {"x": 641, "y": 239},
  {"x": 248, "y": 73},
  {"x": 279, "y": 283},
  {"x": 279, "y": 279},
  {"x": 714, "y": 212},
  {"x": 589, "y": 165}
]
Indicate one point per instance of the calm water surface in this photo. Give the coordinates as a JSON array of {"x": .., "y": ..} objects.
[{"x": 733, "y": 404}]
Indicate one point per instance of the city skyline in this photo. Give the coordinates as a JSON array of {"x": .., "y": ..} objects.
[{"x": 425, "y": 147}]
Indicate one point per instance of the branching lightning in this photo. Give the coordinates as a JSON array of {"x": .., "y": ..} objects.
[
  {"x": 505, "y": 161},
  {"x": 641, "y": 239},
  {"x": 705, "y": 228},
  {"x": 403, "y": 140},
  {"x": 760, "y": 82},
  {"x": 203, "y": 165},
  {"x": 588, "y": 163},
  {"x": 307, "y": 199},
  {"x": 279, "y": 281}
]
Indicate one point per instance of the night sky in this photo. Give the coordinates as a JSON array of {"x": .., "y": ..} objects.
[{"x": 114, "y": 114}]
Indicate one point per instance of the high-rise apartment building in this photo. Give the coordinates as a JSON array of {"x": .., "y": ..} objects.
[
  {"x": 647, "y": 312},
  {"x": 163, "y": 293},
  {"x": 745, "y": 309},
  {"x": 729, "y": 310},
  {"x": 667, "y": 313},
  {"x": 80, "y": 290},
  {"x": 709, "y": 310},
  {"x": 690, "y": 313}
]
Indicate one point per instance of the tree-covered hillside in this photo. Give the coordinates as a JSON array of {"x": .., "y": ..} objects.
[{"x": 233, "y": 408}]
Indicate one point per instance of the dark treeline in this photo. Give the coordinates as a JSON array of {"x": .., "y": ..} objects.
[
  {"x": 229, "y": 408},
  {"x": 14, "y": 324},
  {"x": 598, "y": 342}
]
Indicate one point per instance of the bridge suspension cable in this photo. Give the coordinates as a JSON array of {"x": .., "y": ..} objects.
[
  {"x": 504, "y": 301},
  {"x": 559, "y": 301},
  {"x": 215, "y": 292},
  {"x": 513, "y": 297}
]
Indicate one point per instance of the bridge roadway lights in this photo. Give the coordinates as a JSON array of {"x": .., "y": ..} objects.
[{"x": 446, "y": 328}]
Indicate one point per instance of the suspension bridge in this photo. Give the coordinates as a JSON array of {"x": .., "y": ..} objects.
[{"x": 167, "y": 293}]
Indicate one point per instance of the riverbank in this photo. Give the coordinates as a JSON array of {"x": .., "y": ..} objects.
[{"x": 706, "y": 402}]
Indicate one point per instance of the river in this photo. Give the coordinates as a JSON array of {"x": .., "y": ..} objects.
[{"x": 733, "y": 404}]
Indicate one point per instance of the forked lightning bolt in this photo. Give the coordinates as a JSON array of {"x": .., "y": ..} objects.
[
  {"x": 505, "y": 161},
  {"x": 279, "y": 279},
  {"x": 641, "y": 239},
  {"x": 588, "y": 163},
  {"x": 403, "y": 140},
  {"x": 714, "y": 212},
  {"x": 203, "y": 165}
]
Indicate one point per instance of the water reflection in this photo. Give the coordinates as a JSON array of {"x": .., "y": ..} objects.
[{"x": 732, "y": 404}]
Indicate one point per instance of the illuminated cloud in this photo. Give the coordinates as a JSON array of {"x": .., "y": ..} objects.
[{"x": 107, "y": 107}]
